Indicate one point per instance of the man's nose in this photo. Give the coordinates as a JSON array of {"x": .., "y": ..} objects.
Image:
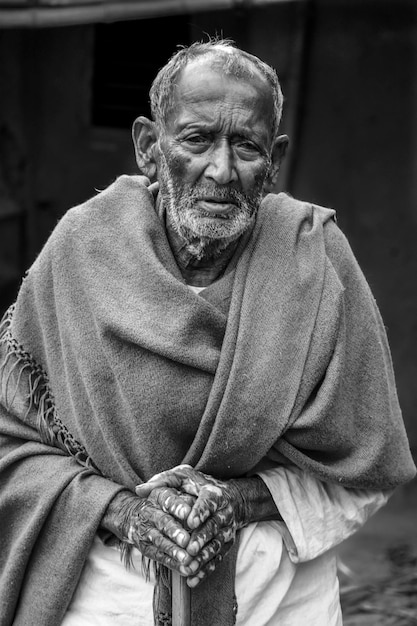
[{"x": 221, "y": 167}]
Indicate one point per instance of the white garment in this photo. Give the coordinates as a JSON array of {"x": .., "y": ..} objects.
[
  {"x": 196, "y": 289},
  {"x": 285, "y": 572}
]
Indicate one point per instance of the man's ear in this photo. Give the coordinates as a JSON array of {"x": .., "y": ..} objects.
[
  {"x": 144, "y": 137},
  {"x": 278, "y": 152}
]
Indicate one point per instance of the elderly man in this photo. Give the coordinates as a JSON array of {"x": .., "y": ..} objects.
[{"x": 195, "y": 376}]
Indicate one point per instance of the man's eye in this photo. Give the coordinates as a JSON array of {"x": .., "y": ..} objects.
[
  {"x": 247, "y": 149},
  {"x": 247, "y": 145},
  {"x": 197, "y": 139}
]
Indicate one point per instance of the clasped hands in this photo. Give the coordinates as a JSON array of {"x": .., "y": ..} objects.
[{"x": 185, "y": 520}]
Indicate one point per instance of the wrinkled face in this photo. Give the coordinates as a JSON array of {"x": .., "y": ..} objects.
[{"x": 214, "y": 152}]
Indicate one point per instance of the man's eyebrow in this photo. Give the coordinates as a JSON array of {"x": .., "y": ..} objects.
[{"x": 197, "y": 124}]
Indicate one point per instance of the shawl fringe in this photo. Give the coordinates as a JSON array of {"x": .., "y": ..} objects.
[
  {"x": 54, "y": 432},
  {"x": 40, "y": 397}
]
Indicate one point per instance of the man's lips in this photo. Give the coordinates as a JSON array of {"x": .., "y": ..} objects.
[{"x": 215, "y": 206}]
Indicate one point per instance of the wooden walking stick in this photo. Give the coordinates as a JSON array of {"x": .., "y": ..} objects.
[{"x": 181, "y": 601}]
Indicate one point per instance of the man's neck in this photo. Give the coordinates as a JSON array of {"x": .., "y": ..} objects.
[{"x": 201, "y": 260}]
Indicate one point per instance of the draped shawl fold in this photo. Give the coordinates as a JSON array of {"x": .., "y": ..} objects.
[{"x": 113, "y": 370}]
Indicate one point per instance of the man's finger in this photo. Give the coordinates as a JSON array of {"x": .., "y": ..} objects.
[
  {"x": 172, "y": 501},
  {"x": 169, "y": 558},
  {"x": 210, "y": 531},
  {"x": 209, "y": 500},
  {"x": 169, "y": 527},
  {"x": 152, "y": 516},
  {"x": 199, "y": 538},
  {"x": 169, "y": 478},
  {"x": 166, "y": 546},
  {"x": 209, "y": 567}
]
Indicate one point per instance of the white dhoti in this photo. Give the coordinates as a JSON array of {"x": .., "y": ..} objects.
[{"x": 286, "y": 573}]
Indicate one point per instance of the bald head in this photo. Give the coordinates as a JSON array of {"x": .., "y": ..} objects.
[{"x": 223, "y": 57}]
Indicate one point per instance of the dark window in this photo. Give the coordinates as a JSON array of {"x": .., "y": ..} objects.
[{"x": 127, "y": 56}]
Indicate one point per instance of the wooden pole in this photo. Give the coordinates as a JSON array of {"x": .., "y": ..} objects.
[{"x": 181, "y": 601}]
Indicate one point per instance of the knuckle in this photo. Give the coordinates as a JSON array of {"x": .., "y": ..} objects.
[
  {"x": 164, "y": 522},
  {"x": 213, "y": 526},
  {"x": 225, "y": 515},
  {"x": 210, "y": 551},
  {"x": 228, "y": 534}
]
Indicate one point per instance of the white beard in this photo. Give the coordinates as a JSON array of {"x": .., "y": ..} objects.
[{"x": 199, "y": 228}]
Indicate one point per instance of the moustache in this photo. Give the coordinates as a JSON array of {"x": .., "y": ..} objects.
[{"x": 217, "y": 193}]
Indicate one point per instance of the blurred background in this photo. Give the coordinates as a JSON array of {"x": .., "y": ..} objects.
[{"x": 75, "y": 74}]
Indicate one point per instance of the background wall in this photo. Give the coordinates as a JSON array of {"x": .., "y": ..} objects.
[
  {"x": 357, "y": 153},
  {"x": 348, "y": 69}
]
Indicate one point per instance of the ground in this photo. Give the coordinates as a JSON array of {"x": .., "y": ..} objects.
[{"x": 378, "y": 566}]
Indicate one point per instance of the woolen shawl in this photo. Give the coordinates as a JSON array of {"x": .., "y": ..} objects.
[{"x": 113, "y": 370}]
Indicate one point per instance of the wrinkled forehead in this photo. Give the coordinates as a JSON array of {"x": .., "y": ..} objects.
[
  {"x": 203, "y": 73},
  {"x": 232, "y": 63}
]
